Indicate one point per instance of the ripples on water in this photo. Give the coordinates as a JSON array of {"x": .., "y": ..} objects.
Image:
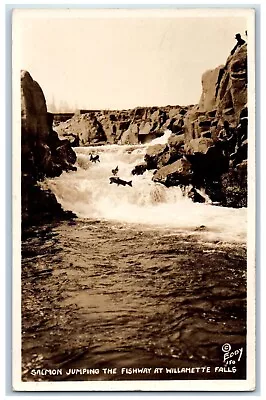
[
  {"x": 143, "y": 278},
  {"x": 99, "y": 294}
]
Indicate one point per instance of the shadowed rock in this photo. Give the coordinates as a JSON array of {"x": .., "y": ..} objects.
[
  {"x": 43, "y": 154},
  {"x": 214, "y": 134},
  {"x": 139, "y": 169},
  {"x": 157, "y": 156}
]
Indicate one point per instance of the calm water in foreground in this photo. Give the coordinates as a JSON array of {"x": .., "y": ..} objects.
[{"x": 102, "y": 295}]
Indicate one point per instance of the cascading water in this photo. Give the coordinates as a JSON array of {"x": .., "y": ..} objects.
[
  {"x": 143, "y": 277},
  {"x": 89, "y": 194}
]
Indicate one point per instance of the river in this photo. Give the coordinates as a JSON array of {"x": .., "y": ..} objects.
[{"x": 142, "y": 278}]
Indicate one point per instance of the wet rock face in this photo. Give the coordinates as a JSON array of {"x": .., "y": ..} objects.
[
  {"x": 213, "y": 138},
  {"x": 194, "y": 195},
  {"x": 42, "y": 152},
  {"x": 40, "y": 205},
  {"x": 157, "y": 156},
  {"x": 139, "y": 169}
]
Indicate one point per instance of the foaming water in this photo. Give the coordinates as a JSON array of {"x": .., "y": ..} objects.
[
  {"x": 88, "y": 193},
  {"x": 162, "y": 139},
  {"x": 143, "y": 277}
]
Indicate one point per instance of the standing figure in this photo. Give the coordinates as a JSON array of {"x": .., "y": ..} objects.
[{"x": 240, "y": 42}]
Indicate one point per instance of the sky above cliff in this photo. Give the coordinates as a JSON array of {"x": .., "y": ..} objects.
[{"x": 122, "y": 59}]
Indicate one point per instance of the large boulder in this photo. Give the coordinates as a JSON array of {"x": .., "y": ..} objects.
[
  {"x": 66, "y": 155},
  {"x": 191, "y": 123},
  {"x": 34, "y": 121},
  {"x": 130, "y": 136},
  {"x": 139, "y": 169},
  {"x": 195, "y": 196},
  {"x": 45, "y": 163},
  {"x": 157, "y": 156},
  {"x": 176, "y": 146},
  {"x": 178, "y": 173},
  {"x": 200, "y": 145},
  {"x": 208, "y": 97},
  {"x": 86, "y": 126},
  {"x": 145, "y": 128}
]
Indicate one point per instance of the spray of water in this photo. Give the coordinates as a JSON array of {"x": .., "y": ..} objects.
[
  {"x": 162, "y": 139},
  {"x": 89, "y": 194}
]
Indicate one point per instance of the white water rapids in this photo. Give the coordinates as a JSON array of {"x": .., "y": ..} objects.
[{"x": 88, "y": 193}]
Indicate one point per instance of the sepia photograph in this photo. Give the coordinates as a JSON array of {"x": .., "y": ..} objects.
[{"x": 133, "y": 199}]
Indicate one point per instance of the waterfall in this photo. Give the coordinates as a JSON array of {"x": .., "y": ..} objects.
[{"x": 88, "y": 193}]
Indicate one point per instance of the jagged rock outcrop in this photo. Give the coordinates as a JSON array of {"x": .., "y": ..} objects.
[
  {"x": 42, "y": 153},
  {"x": 224, "y": 95},
  {"x": 232, "y": 92},
  {"x": 199, "y": 145},
  {"x": 176, "y": 146},
  {"x": 208, "y": 98},
  {"x": 213, "y": 137},
  {"x": 208, "y": 142},
  {"x": 157, "y": 156},
  {"x": 133, "y": 126},
  {"x": 85, "y": 127}
]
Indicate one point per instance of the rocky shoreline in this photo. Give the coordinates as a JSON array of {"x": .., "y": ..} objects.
[
  {"x": 210, "y": 151},
  {"x": 207, "y": 149}
]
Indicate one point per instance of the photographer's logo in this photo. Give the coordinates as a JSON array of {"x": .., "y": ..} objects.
[{"x": 231, "y": 356}]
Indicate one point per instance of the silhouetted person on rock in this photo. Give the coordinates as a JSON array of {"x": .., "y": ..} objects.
[{"x": 240, "y": 43}]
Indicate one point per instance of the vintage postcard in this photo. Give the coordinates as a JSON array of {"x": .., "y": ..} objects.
[{"x": 133, "y": 199}]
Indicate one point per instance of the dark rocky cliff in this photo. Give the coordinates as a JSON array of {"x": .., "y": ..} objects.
[
  {"x": 210, "y": 151},
  {"x": 43, "y": 154}
]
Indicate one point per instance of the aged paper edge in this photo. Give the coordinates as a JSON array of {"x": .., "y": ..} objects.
[{"x": 178, "y": 385}]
